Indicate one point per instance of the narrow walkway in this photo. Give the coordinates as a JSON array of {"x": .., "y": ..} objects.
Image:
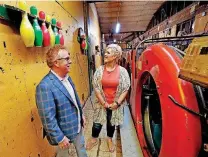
[
  {"x": 130, "y": 145},
  {"x": 100, "y": 150}
]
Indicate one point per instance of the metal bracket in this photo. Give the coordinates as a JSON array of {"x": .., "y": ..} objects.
[{"x": 187, "y": 109}]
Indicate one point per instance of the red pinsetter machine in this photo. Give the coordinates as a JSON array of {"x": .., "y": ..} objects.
[{"x": 169, "y": 97}]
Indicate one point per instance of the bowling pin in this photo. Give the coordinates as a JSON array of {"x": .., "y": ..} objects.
[
  {"x": 55, "y": 30},
  {"x": 36, "y": 27},
  {"x": 52, "y": 36},
  {"x": 57, "y": 37},
  {"x": 61, "y": 37},
  {"x": 86, "y": 46},
  {"x": 58, "y": 24},
  {"x": 26, "y": 31},
  {"x": 33, "y": 10},
  {"x": 48, "y": 18},
  {"x": 22, "y": 5},
  {"x": 46, "y": 35},
  {"x": 38, "y": 33},
  {"x": 42, "y": 15}
]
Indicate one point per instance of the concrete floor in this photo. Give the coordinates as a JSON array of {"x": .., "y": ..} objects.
[{"x": 100, "y": 150}]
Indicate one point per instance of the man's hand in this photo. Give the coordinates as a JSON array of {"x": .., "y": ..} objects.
[
  {"x": 113, "y": 106},
  {"x": 65, "y": 143}
]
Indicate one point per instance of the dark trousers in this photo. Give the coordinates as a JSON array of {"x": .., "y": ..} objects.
[{"x": 96, "y": 128}]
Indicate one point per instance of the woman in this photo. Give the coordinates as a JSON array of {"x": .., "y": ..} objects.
[{"x": 111, "y": 84}]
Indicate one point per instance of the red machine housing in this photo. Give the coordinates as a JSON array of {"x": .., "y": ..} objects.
[{"x": 181, "y": 130}]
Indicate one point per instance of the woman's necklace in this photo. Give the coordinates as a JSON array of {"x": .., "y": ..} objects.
[{"x": 111, "y": 70}]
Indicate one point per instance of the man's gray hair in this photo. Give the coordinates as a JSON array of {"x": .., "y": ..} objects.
[{"x": 52, "y": 54}]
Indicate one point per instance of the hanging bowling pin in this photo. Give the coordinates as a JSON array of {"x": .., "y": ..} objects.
[
  {"x": 33, "y": 10},
  {"x": 61, "y": 37},
  {"x": 52, "y": 36},
  {"x": 86, "y": 47},
  {"x": 46, "y": 35},
  {"x": 55, "y": 30},
  {"x": 83, "y": 43},
  {"x": 57, "y": 37},
  {"x": 58, "y": 24},
  {"x": 22, "y": 5},
  {"x": 38, "y": 33},
  {"x": 36, "y": 27},
  {"x": 26, "y": 31},
  {"x": 48, "y": 18}
]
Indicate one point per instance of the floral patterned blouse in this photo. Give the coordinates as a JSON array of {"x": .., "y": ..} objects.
[{"x": 99, "y": 111}]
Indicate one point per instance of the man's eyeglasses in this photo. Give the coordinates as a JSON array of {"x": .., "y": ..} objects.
[{"x": 67, "y": 59}]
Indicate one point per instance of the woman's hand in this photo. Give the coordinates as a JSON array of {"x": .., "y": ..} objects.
[
  {"x": 106, "y": 105},
  {"x": 113, "y": 106}
]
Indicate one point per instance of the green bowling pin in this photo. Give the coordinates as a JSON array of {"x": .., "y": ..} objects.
[
  {"x": 55, "y": 30},
  {"x": 57, "y": 37},
  {"x": 33, "y": 10},
  {"x": 36, "y": 27},
  {"x": 38, "y": 33}
]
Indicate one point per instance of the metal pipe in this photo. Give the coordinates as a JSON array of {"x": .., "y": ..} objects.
[
  {"x": 168, "y": 38},
  {"x": 86, "y": 15}
]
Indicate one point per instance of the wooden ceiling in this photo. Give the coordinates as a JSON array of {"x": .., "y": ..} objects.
[{"x": 133, "y": 16}]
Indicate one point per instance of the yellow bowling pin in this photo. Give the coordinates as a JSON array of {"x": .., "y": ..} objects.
[
  {"x": 22, "y": 5},
  {"x": 26, "y": 31},
  {"x": 52, "y": 36},
  {"x": 48, "y": 18}
]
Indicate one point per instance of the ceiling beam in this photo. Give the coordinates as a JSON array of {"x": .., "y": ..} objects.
[
  {"x": 126, "y": 3},
  {"x": 116, "y": 36},
  {"x": 122, "y": 36},
  {"x": 127, "y": 14},
  {"x": 124, "y": 30},
  {"x": 132, "y": 34},
  {"x": 123, "y": 19},
  {"x": 132, "y": 15},
  {"x": 123, "y": 25},
  {"x": 107, "y": 4},
  {"x": 130, "y": 12},
  {"x": 138, "y": 9}
]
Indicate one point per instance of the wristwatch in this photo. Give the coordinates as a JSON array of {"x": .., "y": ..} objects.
[{"x": 117, "y": 103}]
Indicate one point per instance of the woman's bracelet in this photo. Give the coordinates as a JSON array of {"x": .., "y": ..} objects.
[
  {"x": 117, "y": 103},
  {"x": 104, "y": 103}
]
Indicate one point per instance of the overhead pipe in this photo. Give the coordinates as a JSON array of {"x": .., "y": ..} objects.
[{"x": 86, "y": 16}]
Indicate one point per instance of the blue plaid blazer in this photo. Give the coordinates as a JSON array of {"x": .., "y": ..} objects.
[{"x": 56, "y": 109}]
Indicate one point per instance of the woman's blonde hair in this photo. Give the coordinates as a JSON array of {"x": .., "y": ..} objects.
[
  {"x": 52, "y": 54},
  {"x": 116, "y": 49}
]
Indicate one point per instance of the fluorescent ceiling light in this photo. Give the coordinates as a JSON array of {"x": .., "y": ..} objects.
[{"x": 118, "y": 27}]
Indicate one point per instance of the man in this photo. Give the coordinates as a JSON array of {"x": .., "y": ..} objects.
[{"x": 59, "y": 106}]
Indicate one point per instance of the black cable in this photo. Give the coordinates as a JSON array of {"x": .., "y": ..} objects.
[{"x": 66, "y": 11}]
